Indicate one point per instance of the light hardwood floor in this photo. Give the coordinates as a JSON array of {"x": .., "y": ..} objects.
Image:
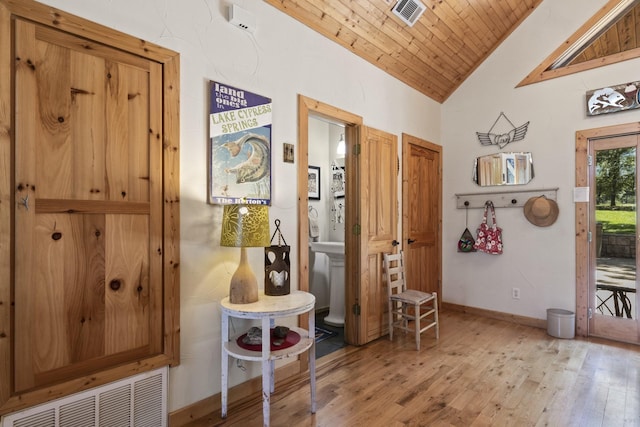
[{"x": 482, "y": 372}]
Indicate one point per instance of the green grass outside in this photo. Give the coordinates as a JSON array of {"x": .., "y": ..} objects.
[{"x": 617, "y": 222}]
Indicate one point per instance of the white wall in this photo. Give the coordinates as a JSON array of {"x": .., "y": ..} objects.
[
  {"x": 539, "y": 261},
  {"x": 281, "y": 60}
]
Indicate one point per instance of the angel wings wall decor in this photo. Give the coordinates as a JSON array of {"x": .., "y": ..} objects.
[{"x": 503, "y": 132}]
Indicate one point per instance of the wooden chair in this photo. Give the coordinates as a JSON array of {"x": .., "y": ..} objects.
[{"x": 408, "y": 305}]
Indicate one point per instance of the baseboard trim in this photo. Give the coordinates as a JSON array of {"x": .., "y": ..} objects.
[{"x": 513, "y": 318}]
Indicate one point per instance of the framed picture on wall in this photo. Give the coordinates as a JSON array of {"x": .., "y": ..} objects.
[
  {"x": 287, "y": 153},
  {"x": 239, "y": 146},
  {"x": 338, "y": 182},
  {"x": 314, "y": 183}
]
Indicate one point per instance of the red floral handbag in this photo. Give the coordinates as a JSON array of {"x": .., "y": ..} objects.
[{"x": 489, "y": 238}]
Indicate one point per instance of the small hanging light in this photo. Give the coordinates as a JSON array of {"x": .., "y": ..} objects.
[{"x": 342, "y": 147}]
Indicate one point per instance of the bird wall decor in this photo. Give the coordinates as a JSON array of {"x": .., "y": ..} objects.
[{"x": 503, "y": 132}]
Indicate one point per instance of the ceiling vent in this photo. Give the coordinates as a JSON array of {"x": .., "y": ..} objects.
[{"x": 409, "y": 11}]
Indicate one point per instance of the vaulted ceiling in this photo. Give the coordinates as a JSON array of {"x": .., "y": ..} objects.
[
  {"x": 434, "y": 56},
  {"x": 622, "y": 36},
  {"x": 450, "y": 39}
]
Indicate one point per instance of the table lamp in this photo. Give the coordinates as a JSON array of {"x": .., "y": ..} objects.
[{"x": 244, "y": 226}]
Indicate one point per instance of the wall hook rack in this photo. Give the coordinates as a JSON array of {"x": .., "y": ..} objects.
[{"x": 502, "y": 199}]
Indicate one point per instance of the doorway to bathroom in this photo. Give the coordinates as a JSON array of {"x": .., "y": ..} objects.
[
  {"x": 371, "y": 215},
  {"x": 326, "y": 231},
  {"x": 308, "y": 111}
]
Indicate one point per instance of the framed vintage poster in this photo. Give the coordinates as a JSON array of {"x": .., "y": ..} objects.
[
  {"x": 314, "y": 183},
  {"x": 239, "y": 146}
]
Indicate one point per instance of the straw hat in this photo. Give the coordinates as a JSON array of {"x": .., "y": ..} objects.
[{"x": 541, "y": 211}]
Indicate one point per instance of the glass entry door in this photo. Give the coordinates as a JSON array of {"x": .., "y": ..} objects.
[{"x": 614, "y": 218}]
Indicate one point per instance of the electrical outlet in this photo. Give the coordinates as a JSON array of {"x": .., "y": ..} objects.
[{"x": 515, "y": 293}]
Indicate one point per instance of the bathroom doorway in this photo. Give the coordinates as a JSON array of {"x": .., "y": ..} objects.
[
  {"x": 309, "y": 111},
  {"x": 371, "y": 215},
  {"x": 327, "y": 207}
]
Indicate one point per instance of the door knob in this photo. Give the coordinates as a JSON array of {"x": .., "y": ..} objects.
[
  {"x": 410, "y": 241},
  {"x": 395, "y": 243}
]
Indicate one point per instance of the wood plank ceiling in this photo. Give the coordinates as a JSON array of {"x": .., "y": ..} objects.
[
  {"x": 610, "y": 36},
  {"x": 622, "y": 36},
  {"x": 435, "y": 55}
]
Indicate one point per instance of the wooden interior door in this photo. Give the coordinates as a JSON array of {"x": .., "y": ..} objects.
[
  {"x": 88, "y": 269},
  {"x": 89, "y": 201},
  {"x": 378, "y": 181},
  {"x": 422, "y": 214}
]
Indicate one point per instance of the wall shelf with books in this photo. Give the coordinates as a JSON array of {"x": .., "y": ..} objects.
[{"x": 502, "y": 199}]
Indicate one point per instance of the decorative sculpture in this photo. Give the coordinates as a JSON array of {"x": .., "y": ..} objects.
[{"x": 503, "y": 132}]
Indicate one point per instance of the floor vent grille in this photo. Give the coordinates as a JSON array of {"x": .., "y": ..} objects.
[{"x": 139, "y": 401}]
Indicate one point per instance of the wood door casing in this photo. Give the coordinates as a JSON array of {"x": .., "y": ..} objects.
[
  {"x": 422, "y": 213},
  {"x": 93, "y": 252},
  {"x": 379, "y": 226}
]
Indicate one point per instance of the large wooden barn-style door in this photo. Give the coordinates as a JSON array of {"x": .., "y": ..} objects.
[
  {"x": 94, "y": 200},
  {"x": 87, "y": 282}
]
